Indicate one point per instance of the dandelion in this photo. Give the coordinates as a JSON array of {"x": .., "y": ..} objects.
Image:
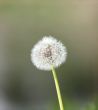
[{"x": 49, "y": 54}]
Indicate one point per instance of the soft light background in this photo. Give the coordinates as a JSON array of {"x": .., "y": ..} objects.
[{"x": 22, "y": 24}]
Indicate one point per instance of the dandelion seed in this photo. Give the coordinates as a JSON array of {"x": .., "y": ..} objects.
[{"x": 48, "y": 52}]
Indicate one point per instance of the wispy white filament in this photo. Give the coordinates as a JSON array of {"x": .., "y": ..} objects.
[{"x": 48, "y": 52}]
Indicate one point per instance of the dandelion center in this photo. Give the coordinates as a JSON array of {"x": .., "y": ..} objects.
[{"x": 48, "y": 53}]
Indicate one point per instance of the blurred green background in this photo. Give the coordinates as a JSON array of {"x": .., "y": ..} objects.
[{"x": 22, "y": 24}]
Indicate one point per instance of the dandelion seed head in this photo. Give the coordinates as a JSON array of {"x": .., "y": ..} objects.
[{"x": 48, "y": 52}]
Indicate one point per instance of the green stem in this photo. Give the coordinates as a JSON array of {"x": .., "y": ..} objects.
[{"x": 57, "y": 88}]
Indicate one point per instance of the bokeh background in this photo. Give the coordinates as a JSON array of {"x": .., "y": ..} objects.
[{"x": 22, "y": 24}]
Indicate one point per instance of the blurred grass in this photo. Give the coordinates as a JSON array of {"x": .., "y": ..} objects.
[{"x": 69, "y": 105}]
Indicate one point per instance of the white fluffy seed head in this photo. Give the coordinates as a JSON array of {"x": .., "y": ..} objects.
[{"x": 48, "y": 52}]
